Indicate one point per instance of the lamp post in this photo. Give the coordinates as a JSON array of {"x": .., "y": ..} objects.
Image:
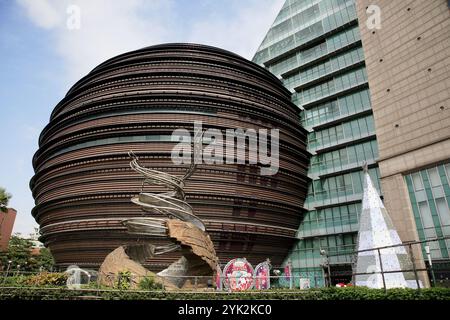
[
  {"x": 7, "y": 270},
  {"x": 427, "y": 250},
  {"x": 326, "y": 264},
  {"x": 291, "y": 282}
]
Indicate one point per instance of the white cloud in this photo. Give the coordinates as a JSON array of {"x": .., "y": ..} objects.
[
  {"x": 109, "y": 28},
  {"x": 42, "y": 13}
]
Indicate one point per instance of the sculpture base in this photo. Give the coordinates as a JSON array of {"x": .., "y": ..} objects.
[
  {"x": 195, "y": 269},
  {"x": 117, "y": 262}
]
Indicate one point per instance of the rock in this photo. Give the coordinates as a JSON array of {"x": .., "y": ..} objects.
[
  {"x": 194, "y": 242},
  {"x": 118, "y": 261},
  {"x": 194, "y": 269}
]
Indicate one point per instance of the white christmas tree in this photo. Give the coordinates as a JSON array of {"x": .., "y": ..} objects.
[{"x": 376, "y": 230}]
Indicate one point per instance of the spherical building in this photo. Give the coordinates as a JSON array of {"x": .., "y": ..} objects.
[{"x": 83, "y": 182}]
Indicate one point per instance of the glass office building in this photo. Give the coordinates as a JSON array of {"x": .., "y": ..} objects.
[{"x": 314, "y": 47}]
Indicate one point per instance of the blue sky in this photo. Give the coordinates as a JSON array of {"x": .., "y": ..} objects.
[{"x": 40, "y": 58}]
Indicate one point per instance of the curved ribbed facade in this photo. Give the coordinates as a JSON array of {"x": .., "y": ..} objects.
[{"x": 83, "y": 182}]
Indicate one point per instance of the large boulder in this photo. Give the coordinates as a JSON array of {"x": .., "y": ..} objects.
[{"x": 118, "y": 261}]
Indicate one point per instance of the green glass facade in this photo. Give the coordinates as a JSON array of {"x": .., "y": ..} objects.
[
  {"x": 314, "y": 47},
  {"x": 429, "y": 193}
]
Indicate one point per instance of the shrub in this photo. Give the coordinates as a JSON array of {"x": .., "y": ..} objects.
[
  {"x": 123, "y": 280},
  {"x": 13, "y": 281},
  {"x": 311, "y": 294},
  {"x": 47, "y": 279},
  {"x": 148, "y": 283}
]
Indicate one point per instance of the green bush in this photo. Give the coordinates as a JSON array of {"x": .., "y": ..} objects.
[
  {"x": 311, "y": 294},
  {"x": 14, "y": 281},
  {"x": 47, "y": 279},
  {"x": 95, "y": 285},
  {"x": 123, "y": 280},
  {"x": 148, "y": 283}
]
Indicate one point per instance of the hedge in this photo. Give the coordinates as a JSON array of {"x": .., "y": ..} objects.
[{"x": 351, "y": 293}]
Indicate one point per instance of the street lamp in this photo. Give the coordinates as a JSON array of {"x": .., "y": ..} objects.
[
  {"x": 18, "y": 269},
  {"x": 427, "y": 250},
  {"x": 327, "y": 264},
  {"x": 7, "y": 270}
]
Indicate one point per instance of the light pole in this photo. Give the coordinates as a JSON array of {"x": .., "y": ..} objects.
[
  {"x": 427, "y": 250},
  {"x": 18, "y": 270},
  {"x": 7, "y": 270},
  {"x": 327, "y": 264},
  {"x": 291, "y": 280}
]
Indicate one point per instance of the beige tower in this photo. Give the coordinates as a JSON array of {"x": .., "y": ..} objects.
[{"x": 408, "y": 66}]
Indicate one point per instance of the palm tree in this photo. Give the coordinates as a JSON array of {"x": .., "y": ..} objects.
[{"x": 4, "y": 200}]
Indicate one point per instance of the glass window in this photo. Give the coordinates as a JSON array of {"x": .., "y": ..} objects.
[
  {"x": 447, "y": 170},
  {"x": 355, "y": 128},
  {"x": 363, "y": 126},
  {"x": 434, "y": 177},
  {"x": 427, "y": 220},
  {"x": 359, "y": 152},
  {"x": 444, "y": 213},
  {"x": 417, "y": 181},
  {"x": 356, "y": 181},
  {"x": 367, "y": 150}
]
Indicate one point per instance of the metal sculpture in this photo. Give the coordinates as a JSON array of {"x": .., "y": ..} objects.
[{"x": 179, "y": 225}]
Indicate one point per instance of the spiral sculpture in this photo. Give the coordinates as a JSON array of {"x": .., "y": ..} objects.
[{"x": 185, "y": 235}]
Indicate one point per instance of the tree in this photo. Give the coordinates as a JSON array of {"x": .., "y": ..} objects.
[
  {"x": 4, "y": 199},
  {"x": 20, "y": 253},
  {"x": 45, "y": 259}
]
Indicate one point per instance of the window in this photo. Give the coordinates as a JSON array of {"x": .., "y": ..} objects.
[
  {"x": 417, "y": 180},
  {"x": 431, "y": 209},
  {"x": 427, "y": 219},
  {"x": 444, "y": 213},
  {"x": 363, "y": 126}
]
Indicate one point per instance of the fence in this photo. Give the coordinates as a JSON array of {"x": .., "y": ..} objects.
[
  {"x": 129, "y": 281},
  {"x": 416, "y": 273}
]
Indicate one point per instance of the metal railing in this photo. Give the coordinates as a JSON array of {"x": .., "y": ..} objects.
[
  {"x": 89, "y": 279},
  {"x": 417, "y": 266},
  {"x": 119, "y": 282}
]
